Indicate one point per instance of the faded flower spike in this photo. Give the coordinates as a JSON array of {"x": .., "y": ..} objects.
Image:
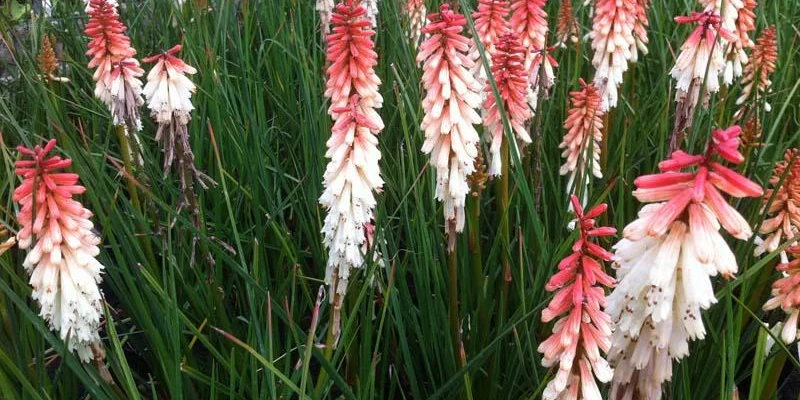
[
  {"x": 568, "y": 29},
  {"x": 449, "y": 106},
  {"x": 64, "y": 272},
  {"x": 786, "y": 295},
  {"x": 784, "y": 211},
  {"x": 666, "y": 259},
  {"x": 169, "y": 97},
  {"x": 703, "y": 51},
  {"x": 48, "y": 63},
  {"x": 582, "y": 332}
]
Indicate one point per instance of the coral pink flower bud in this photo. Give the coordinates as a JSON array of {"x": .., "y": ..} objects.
[
  {"x": 352, "y": 55},
  {"x": 490, "y": 24},
  {"x": 581, "y": 143},
  {"x": 512, "y": 85},
  {"x": 582, "y": 331}
]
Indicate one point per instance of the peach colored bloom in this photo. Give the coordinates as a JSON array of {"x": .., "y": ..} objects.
[
  {"x": 581, "y": 143},
  {"x": 762, "y": 65},
  {"x": 64, "y": 272},
  {"x": 614, "y": 45},
  {"x": 512, "y": 85},
  {"x": 490, "y": 24},
  {"x": 640, "y": 28},
  {"x": 415, "y": 12},
  {"x": 352, "y": 176},
  {"x": 568, "y": 29},
  {"x": 117, "y": 72},
  {"x": 449, "y": 106},
  {"x": 529, "y": 22},
  {"x": 784, "y": 211},
  {"x": 582, "y": 330},
  {"x": 666, "y": 259},
  {"x": 786, "y": 295}
]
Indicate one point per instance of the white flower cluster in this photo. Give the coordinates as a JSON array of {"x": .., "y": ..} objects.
[
  {"x": 351, "y": 180},
  {"x": 664, "y": 283}
]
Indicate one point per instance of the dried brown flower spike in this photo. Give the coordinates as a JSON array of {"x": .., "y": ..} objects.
[{"x": 48, "y": 63}]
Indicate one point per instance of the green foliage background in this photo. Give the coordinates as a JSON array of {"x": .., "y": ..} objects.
[{"x": 241, "y": 328}]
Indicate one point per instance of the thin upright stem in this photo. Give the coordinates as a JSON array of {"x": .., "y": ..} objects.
[
  {"x": 330, "y": 342},
  {"x": 127, "y": 160},
  {"x": 505, "y": 258},
  {"x": 455, "y": 330}
]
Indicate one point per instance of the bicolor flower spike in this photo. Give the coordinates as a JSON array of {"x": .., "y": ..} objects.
[
  {"x": 786, "y": 295},
  {"x": 581, "y": 143},
  {"x": 352, "y": 177},
  {"x": 614, "y": 45},
  {"x": 56, "y": 229},
  {"x": 117, "y": 71},
  {"x": 666, "y": 261},
  {"x": 783, "y": 223},
  {"x": 415, "y": 12},
  {"x": 512, "y": 85},
  {"x": 582, "y": 332},
  {"x": 452, "y": 97},
  {"x": 490, "y": 24}
]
